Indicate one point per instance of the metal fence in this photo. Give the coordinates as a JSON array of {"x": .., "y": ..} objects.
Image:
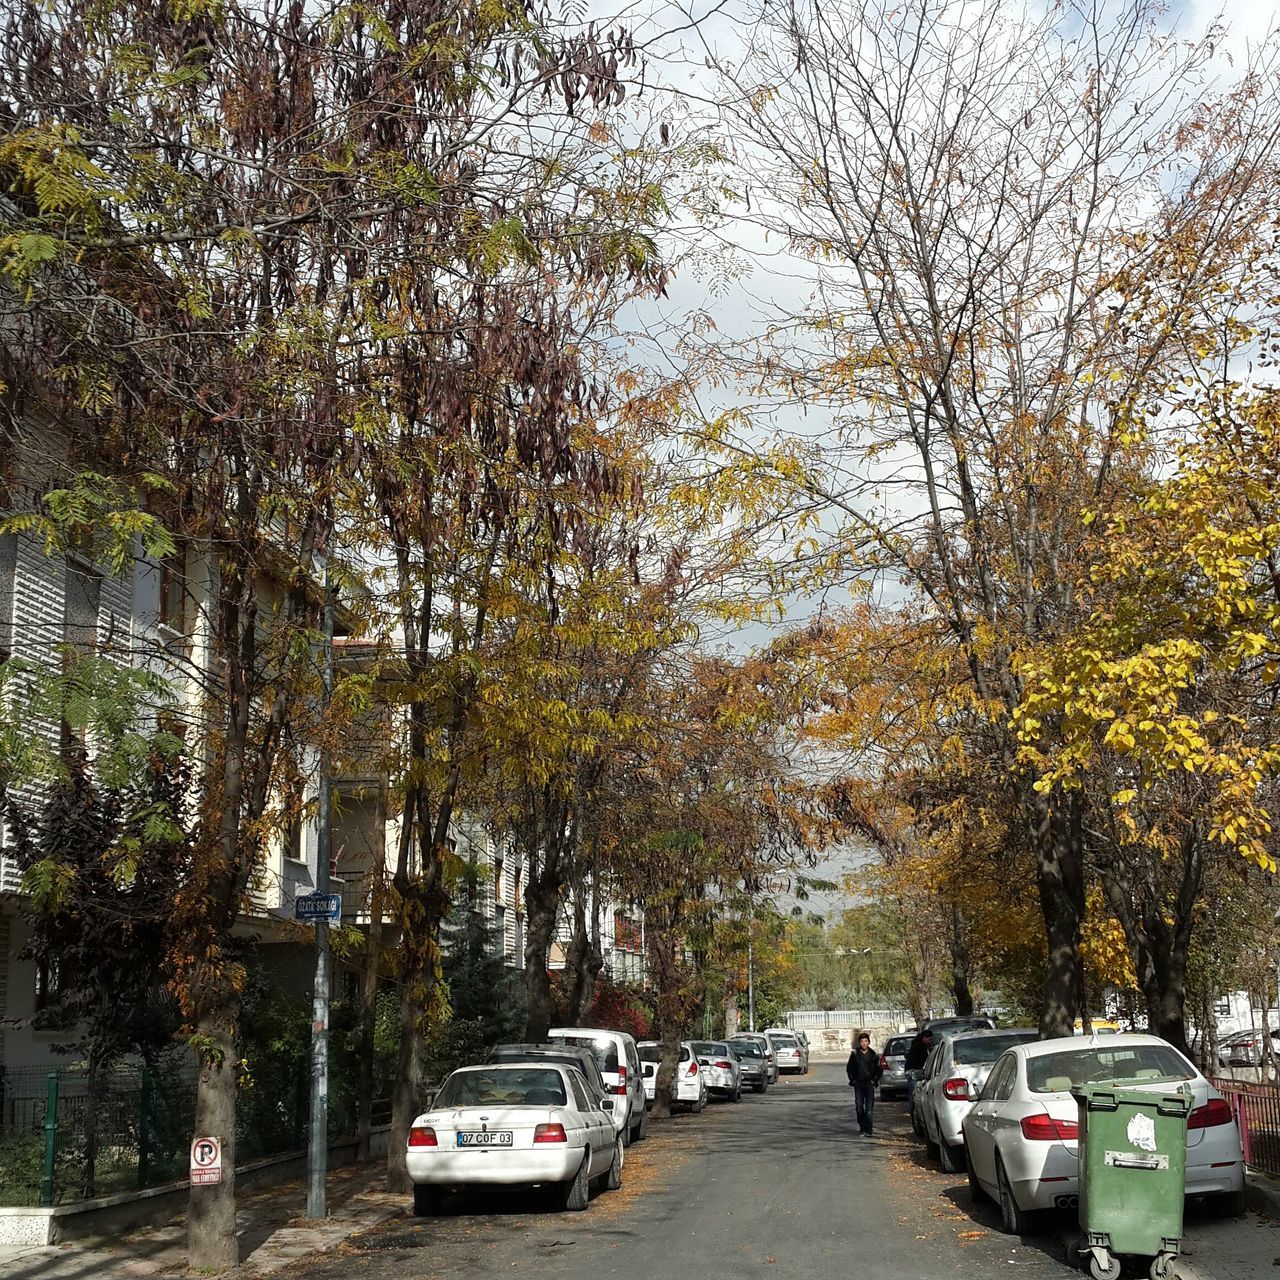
[
  {"x": 1257, "y": 1108},
  {"x": 821, "y": 1019},
  {"x": 64, "y": 1137}
]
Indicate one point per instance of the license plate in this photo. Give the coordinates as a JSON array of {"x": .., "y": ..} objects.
[{"x": 497, "y": 1138}]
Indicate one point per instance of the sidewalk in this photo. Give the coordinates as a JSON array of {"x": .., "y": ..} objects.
[{"x": 273, "y": 1231}]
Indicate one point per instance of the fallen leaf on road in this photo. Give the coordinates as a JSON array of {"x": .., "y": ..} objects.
[{"x": 972, "y": 1235}]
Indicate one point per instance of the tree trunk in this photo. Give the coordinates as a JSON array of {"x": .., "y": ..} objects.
[
  {"x": 406, "y": 1096},
  {"x": 89, "y": 1186},
  {"x": 369, "y": 989},
  {"x": 960, "y": 965},
  {"x": 1060, "y": 879},
  {"x": 539, "y": 927},
  {"x": 212, "y": 1245}
]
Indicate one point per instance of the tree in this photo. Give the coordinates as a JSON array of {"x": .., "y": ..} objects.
[
  {"x": 1017, "y": 242},
  {"x": 1160, "y": 707}
]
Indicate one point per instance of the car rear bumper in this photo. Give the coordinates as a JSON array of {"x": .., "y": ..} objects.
[
  {"x": 1044, "y": 1192},
  {"x": 442, "y": 1167}
]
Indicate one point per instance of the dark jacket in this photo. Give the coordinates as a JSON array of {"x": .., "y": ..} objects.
[
  {"x": 916, "y": 1054},
  {"x": 864, "y": 1067}
]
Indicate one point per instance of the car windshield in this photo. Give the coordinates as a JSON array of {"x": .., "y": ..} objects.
[
  {"x": 970, "y": 1052},
  {"x": 653, "y": 1053},
  {"x": 898, "y": 1047},
  {"x": 606, "y": 1051},
  {"x": 1059, "y": 1072},
  {"x": 746, "y": 1048},
  {"x": 513, "y": 1087}
]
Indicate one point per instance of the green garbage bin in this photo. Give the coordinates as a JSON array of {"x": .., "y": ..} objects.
[{"x": 1133, "y": 1175}]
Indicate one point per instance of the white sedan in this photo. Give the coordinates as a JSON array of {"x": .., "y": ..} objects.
[
  {"x": 688, "y": 1085},
  {"x": 514, "y": 1124},
  {"x": 1021, "y": 1135}
]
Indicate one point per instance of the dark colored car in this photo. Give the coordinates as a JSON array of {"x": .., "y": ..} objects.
[
  {"x": 570, "y": 1055},
  {"x": 751, "y": 1061},
  {"x": 949, "y": 1026}
]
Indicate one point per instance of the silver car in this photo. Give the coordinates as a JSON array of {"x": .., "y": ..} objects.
[
  {"x": 1021, "y": 1137},
  {"x": 893, "y": 1083},
  {"x": 770, "y": 1058},
  {"x": 954, "y": 1073},
  {"x": 786, "y": 1051}
]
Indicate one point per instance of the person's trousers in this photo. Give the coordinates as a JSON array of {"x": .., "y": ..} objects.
[{"x": 864, "y": 1102}]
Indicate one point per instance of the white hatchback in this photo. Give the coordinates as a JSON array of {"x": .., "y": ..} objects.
[
  {"x": 514, "y": 1124},
  {"x": 1021, "y": 1135}
]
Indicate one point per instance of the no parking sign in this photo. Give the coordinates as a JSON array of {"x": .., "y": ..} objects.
[{"x": 206, "y": 1161}]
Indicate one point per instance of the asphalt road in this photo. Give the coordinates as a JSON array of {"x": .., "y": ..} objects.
[{"x": 775, "y": 1186}]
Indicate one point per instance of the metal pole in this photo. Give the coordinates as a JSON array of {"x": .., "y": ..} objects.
[
  {"x": 318, "y": 1146},
  {"x": 751, "y": 982},
  {"x": 50, "y": 1140}
]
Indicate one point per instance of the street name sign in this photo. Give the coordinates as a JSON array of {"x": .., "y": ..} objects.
[{"x": 317, "y": 906}]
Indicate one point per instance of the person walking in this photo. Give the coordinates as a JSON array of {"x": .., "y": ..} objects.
[
  {"x": 914, "y": 1062},
  {"x": 864, "y": 1072}
]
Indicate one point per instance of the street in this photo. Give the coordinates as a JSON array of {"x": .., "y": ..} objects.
[{"x": 779, "y": 1185}]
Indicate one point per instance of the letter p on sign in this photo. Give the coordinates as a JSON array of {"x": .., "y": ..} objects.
[{"x": 206, "y": 1161}]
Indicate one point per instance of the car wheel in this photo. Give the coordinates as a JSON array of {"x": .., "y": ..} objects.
[
  {"x": 696, "y": 1107},
  {"x": 977, "y": 1192},
  {"x": 916, "y": 1127},
  {"x": 949, "y": 1157},
  {"x": 642, "y": 1129},
  {"x": 578, "y": 1192},
  {"x": 737, "y": 1094},
  {"x": 613, "y": 1178},
  {"x": 426, "y": 1200},
  {"x": 1227, "y": 1204},
  {"x": 759, "y": 1087},
  {"x": 930, "y": 1147},
  {"x": 1013, "y": 1220}
]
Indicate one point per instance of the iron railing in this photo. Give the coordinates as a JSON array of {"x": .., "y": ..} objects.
[{"x": 1257, "y": 1110}]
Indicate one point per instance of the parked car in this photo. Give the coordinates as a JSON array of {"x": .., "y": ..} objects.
[
  {"x": 1246, "y": 1047},
  {"x": 1097, "y": 1027},
  {"x": 893, "y": 1081},
  {"x": 753, "y": 1067},
  {"x": 514, "y": 1125},
  {"x": 619, "y": 1064},
  {"x": 949, "y": 1026},
  {"x": 1021, "y": 1134},
  {"x": 954, "y": 1073},
  {"x": 804, "y": 1049},
  {"x": 786, "y": 1051},
  {"x": 688, "y": 1085},
  {"x": 571, "y": 1055},
  {"x": 720, "y": 1067},
  {"x": 771, "y": 1061}
]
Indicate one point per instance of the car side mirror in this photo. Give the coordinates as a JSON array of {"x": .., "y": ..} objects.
[{"x": 606, "y": 1104}]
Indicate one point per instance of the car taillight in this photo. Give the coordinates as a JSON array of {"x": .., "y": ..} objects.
[
  {"x": 693, "y": 1068},
  {"x": 550, "y": 1133},
  {"x": 1214, "y": 1112},
  {"x": 721, "y": 1065},
  {"x": 421, "y": 1136},
  {"x": 884, "y": 1063},
  {"x": 957, "y": 1089},
  {"x": 1044, "y": 1128}
]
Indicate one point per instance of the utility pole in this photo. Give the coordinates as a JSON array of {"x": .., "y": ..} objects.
[{"x": 318, "y": 1146}]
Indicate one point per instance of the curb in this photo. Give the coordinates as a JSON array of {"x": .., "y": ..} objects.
[{"x": 1262, "y": 1193}]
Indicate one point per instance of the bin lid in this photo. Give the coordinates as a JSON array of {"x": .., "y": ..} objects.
[{"x": 1106, "y": 1096}]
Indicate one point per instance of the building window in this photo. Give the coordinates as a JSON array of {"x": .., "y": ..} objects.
[
  {"x": 171, "y": 609},
  {"x": 47, "y": 989},
  {"x": 81, "y": 598},
  {"x": 499, "y": 893},
  {"x": 501, "y": 919},
  {"x": 8, "y": 577},
  {"x": 515, "y": 891}
]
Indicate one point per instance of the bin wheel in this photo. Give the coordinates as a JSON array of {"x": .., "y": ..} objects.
[
  {"x": 1162, "y": 1266},
  {"x": 1108, "y": 1270}
]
